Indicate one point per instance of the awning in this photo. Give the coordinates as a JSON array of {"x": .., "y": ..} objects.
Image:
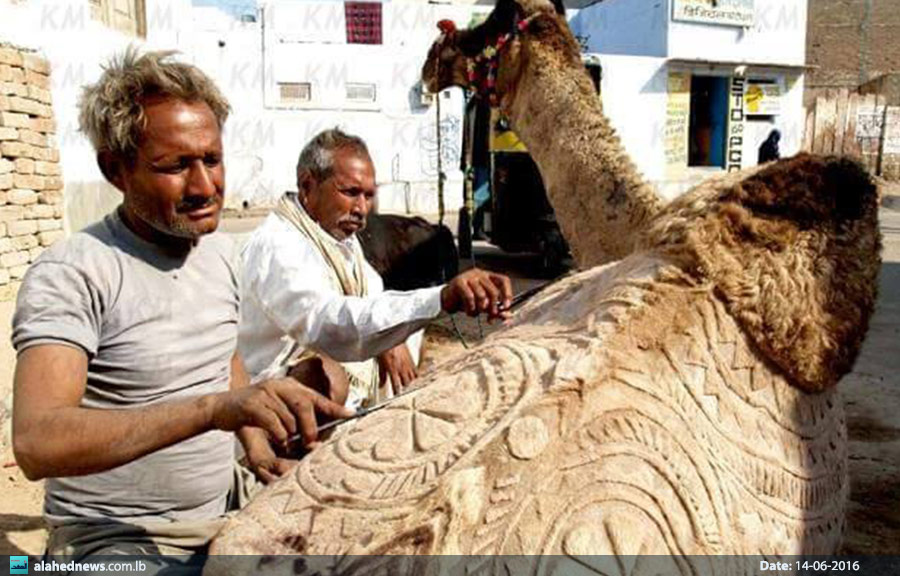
[{"x": 694, "y": 62}]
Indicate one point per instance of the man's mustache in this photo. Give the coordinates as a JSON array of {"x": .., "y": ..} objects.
[
  {"x": 196, "y": 203},
  {"x": 356, "y": 220}
]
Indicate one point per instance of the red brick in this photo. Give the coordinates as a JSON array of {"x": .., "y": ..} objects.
[
  {"x": 39, "y": 94},
  {"x": 45, "y": 125},
  {"x": 39, "y": 212},
  {"x": 10, "y": 56},
  {"x": 36, "y": 79},
  {"x": 47, "y": 168},
  {"x": 33, "y": 138},
  {"x": 25, "y": 242},
  {"x": 49, "y": 237},
  {"x": 22, "y": 197},
  {"x": 13, "y": 89},
  {"x": 51, "y": 197},
  {"x": 11, "y": 259},
  {"x": 11, "y": 214},
  {"x": 17, "y": 150},
  {"x": 21, "y": 227},
  {"x": 52, "y": 183},
  {"x": 14, "y": 120},
  {"x": 36, "y": 63},
  {"x": 12, "y": 74},
  {"x": 18, "y": 272},
  {"x": 25, "y": 166}
]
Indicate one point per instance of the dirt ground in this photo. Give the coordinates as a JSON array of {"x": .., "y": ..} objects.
[{"x": 871, "y": 393}]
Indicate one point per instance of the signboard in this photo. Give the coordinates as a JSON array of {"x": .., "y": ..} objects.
[
  {"x": 678, "y": 114},
  {"x": 734, "y": 153},
  {"x": 762, "y": 98},
  {"x": 869, "y": 122},
  {"x": 891, "y": 131},
  {"x": 723, "y": 12}
]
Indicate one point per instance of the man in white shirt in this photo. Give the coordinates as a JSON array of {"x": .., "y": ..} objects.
[{"x": 307, "y": 289}]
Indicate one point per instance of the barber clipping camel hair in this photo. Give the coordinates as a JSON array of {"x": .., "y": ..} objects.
[
  {"x": 128, "y": 385},
  {"x": 309, "y": 292}
]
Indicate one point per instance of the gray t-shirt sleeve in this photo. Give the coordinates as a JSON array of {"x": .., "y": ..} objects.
[{"x": 57, "y": 304}]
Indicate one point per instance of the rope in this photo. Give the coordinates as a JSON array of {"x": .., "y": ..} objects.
[{"x": 441, "y": 207}]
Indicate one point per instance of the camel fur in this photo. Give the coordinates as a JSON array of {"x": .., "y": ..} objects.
[{"x": 679, "y": 401}]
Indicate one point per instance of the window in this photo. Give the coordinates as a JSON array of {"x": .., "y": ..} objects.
[
  {"x": 708, "y": 121},
  {"x": 127, "y": 16},
  {"x": 294, "y": 92},
  {"x": 363, "y": 22},
  {"x": 360, "y": 92}
]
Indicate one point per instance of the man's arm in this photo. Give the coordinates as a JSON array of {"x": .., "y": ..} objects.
[
  {"x": 279, "y": 277},
  {"x": 54, "y": 436},
  {"x": 261, "y": 458}
]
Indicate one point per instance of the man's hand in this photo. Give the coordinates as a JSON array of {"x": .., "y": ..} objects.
[
  {"x": 397, "y": 363},
  {"x": 477, "y": 291},
  {"x": 266, "y": 466},
  {"x": 281, "y": 407}
]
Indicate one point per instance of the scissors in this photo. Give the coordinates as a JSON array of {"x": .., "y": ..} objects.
[{"x": 365, "y": 411}]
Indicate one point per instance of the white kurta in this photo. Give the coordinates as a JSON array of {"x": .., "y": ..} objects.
[{"x": 288, "y": 298}]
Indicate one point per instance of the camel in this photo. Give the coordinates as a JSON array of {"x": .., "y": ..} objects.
[
  {"x": 679, "y": 401},
  {"x": 600, "y": 199}
]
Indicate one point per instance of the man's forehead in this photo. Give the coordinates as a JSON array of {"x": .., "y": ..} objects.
[
  {"x": 174, "y": 121},
  {"x": 352, "y": 165}
]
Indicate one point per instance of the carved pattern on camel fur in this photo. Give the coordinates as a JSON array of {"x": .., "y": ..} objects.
[{"x": 679, "y": 401}]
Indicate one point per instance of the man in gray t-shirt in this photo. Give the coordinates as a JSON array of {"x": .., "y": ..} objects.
[{"x": 127, "y": 383}]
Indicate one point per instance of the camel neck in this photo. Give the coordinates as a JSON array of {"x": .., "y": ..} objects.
[{"x": 602, "y": 203}]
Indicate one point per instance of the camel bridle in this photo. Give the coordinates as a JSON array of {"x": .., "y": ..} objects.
[{"x": 481, "y": 69}]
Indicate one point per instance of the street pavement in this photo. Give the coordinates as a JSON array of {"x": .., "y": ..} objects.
[{"x": 872, "y": 399}]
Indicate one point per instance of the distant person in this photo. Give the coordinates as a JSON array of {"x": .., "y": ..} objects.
[{"x": 768, "y": 151}]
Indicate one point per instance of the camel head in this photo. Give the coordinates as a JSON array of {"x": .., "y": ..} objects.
[
  {"x": 794, "y": 251},
  {"x": 484, "y": 57}
]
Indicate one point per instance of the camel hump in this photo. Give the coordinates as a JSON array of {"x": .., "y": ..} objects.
[
  {"x": 809, "y": 190},
  {"x": 794, "y": 250}
]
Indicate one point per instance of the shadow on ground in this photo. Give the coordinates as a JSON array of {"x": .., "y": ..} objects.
[{"x": 17, "y": 523}]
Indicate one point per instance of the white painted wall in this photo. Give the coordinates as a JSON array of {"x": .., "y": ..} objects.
[
  {"x": 627, "y": 27},
  {"x": 305, "y": 42},
  {"x": 636, "y": 42},
  {"x": 634, "y": 97},
  {"x": 777, "y": 37}
]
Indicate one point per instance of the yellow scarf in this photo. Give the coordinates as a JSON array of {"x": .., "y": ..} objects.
[{"x": 363, "y": 376}]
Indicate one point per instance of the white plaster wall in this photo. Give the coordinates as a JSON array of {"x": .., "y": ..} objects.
[
  {"x": 304, "y": 42},
  {"x": 777, "y": 37},
  {"x": 628, "y": 27},
  {"x": 634, "y": 97}
]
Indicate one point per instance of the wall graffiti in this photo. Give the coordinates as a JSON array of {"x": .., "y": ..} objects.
[{"x": 451, "y": 129}]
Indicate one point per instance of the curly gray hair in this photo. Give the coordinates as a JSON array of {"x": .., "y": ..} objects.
[
  {"x": 317, "y": 157},
  {"x": 112, "y": 110}
]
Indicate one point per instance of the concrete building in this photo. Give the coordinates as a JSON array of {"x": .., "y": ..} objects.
[
  {"x": 694, "y": 87},
  {"x": 289, "y": 69}
]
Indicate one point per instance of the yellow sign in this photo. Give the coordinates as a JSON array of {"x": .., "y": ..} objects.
[
  {"x": 763, "y": 98},
  {"x": 678, "y": 114}
]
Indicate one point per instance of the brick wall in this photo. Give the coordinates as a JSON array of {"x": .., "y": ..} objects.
[
  {"x": 850, "y": 42},
  {"x": 30, "y": 177}
]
